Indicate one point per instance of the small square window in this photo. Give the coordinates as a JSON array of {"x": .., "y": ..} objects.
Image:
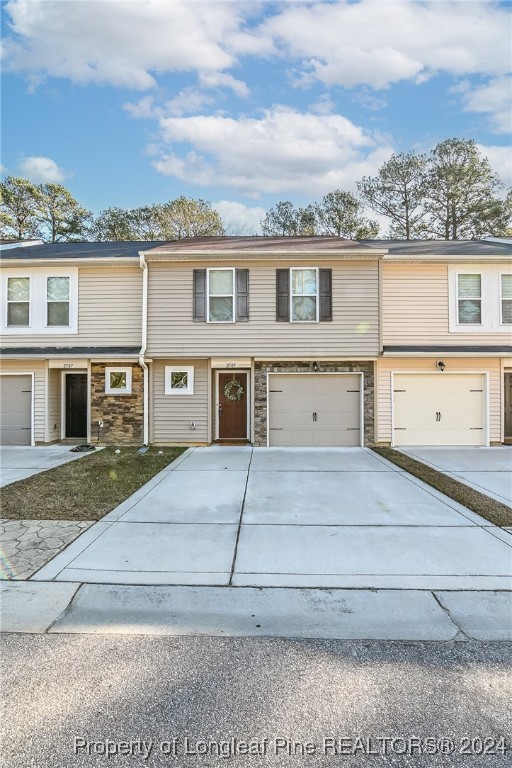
[
  {"x": 179, "y": 380},
  {"x": 118, "y": 381}
]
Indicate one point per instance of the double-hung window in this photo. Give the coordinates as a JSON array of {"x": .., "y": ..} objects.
[
  {"x": 57, "y": 301},
  {"x": 18, "y": 301},
  {"x": 506, "y": 299},
  {"x": 304, "y": 295},
  {"x": 469, "y": 299},
  {"x": 43, "y": 299},
  {"x": 221, "y": 295}
]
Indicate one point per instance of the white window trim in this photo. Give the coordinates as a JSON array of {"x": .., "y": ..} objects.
[
  {"x": 47, "y": 302},
  {"x": 505, "y": 326},
  {"x": 118, "y": 390},
  {"x": 490, "y": 298},
  {"x": 38, "y": 301},
  {"x": 317, "y": 294},
  {"x": 233, "y": 295},
  {"x": 169, "y": 370},
  {"x": 5, "y": 290}
]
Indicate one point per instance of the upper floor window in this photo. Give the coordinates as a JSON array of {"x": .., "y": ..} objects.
[
  {"x": 469, "y": 299},
  {"x": 506, "y": 299},
  {"x": 57, "y": 299},
  {"x": 18, "y": 301},
  {"x": 221, "y": 295},
  {"x": 39, "y": 300},
  {"x": 303, "y": 295},
  {"x": 480, "y": 299}
]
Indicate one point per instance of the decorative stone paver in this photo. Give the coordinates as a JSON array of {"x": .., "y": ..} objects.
[{"x": 27, "y": 545}]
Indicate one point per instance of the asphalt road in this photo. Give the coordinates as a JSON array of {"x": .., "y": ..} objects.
[{"x": 69, "y": 698}]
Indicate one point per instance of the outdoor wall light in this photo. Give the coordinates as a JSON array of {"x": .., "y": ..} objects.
[
  {"x": 441, "y": 365},
  {"x": 315, "y": 366}
]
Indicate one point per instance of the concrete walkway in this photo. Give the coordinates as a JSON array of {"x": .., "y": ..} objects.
[
  {"x": 319, "y": 518},
  {"x": 18, "y": 462},
  {"x": 488, "y": 470}
]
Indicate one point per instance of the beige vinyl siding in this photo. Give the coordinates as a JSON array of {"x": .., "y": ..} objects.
[
  {"x": 171, "y": 414},
  {"x": 428, "y": 365},
  {"x": 109, "y": 311},
  {"x": 352, "y": 332},
  {"x": 54, "y": 403},
  {"x": 415, "y": 308},
  {"x": 38, "y": 368}
]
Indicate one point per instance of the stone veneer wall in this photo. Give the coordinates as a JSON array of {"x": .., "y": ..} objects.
[
  {"x": 260, "y": 390},
  {"x": 122, "y": 415}
]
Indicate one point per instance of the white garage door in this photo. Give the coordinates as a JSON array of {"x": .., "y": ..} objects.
[
  {"x": 314, "y": 409},
  {"x": 439, "y": 409},
  {"x": 15, "y": 410}
]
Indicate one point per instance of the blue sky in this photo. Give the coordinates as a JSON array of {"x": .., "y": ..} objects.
[{"x": 129, "y": 102}]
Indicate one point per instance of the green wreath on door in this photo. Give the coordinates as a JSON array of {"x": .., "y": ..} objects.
[{"x": 233, "y": 390}]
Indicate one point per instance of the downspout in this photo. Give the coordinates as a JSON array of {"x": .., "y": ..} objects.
[{"x": 145, "y": 418}]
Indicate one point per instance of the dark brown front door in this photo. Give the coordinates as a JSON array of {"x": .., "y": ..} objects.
[
  {"x": 76, "y": 405},
  {"x": 508, "y": 405},
  {"x": 232, "y": 406}
]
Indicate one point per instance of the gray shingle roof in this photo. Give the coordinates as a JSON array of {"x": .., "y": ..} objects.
[
  {"x": 442, "y": 247},
  {"x": 80, "y": 250}
]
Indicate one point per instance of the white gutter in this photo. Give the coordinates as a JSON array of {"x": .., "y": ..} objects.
[{"x": 143, "y": 265}]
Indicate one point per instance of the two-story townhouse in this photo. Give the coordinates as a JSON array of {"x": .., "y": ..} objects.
[
  {"x": 262, "y": 339},
  {"x": 71, "y": 336},
  {"x": 445, "y": 373},
  {"x": 275, "y": 341}
]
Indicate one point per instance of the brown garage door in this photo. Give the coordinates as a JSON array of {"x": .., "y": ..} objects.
[
  {"x": 15, "y": 410},
  {"x": 314, "y": 409}
]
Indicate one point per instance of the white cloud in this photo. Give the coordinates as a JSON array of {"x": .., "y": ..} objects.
[
  {"x": 282, "y": 151},
  {"x": 240, "y": 219},
  {"x": 121, "y": 42},
  {"x": 42, "y": 170},
  {"x": 378, "y": 43},
  {"x": 499, "y": 158},
  {"x": 493, "y": 99},
  {"x": 131, "y": 43},
  {"x": 221, "y": 80}
]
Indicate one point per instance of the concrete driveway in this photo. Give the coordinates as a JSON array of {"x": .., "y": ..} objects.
[
  {"x": 20, "y": 461},
  {"x": 488, "y": 470},
  {"x": 288, "y": 518}
]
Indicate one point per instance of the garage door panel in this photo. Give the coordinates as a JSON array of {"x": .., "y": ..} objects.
[
  {"x": 439, "y": 409},
  {"x": 333, "y": 398},
  {"x": 15, "y": 410}
]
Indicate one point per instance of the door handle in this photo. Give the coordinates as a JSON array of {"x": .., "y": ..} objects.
[
  {"x": 314, "y": 415},
  {"x": 220, "y": 407}
]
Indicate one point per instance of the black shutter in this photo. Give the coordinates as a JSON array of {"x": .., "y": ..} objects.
[
  {"x": 242, "y": 294},
  {"x": 325, "y": 276},
  {"x": 283, "y": 295},
  {"x": 200, "y": 294}
]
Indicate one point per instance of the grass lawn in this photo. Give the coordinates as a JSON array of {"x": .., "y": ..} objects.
[
  {"x": 483, "y": 505},
  {"x": 85, "y": 489}
]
